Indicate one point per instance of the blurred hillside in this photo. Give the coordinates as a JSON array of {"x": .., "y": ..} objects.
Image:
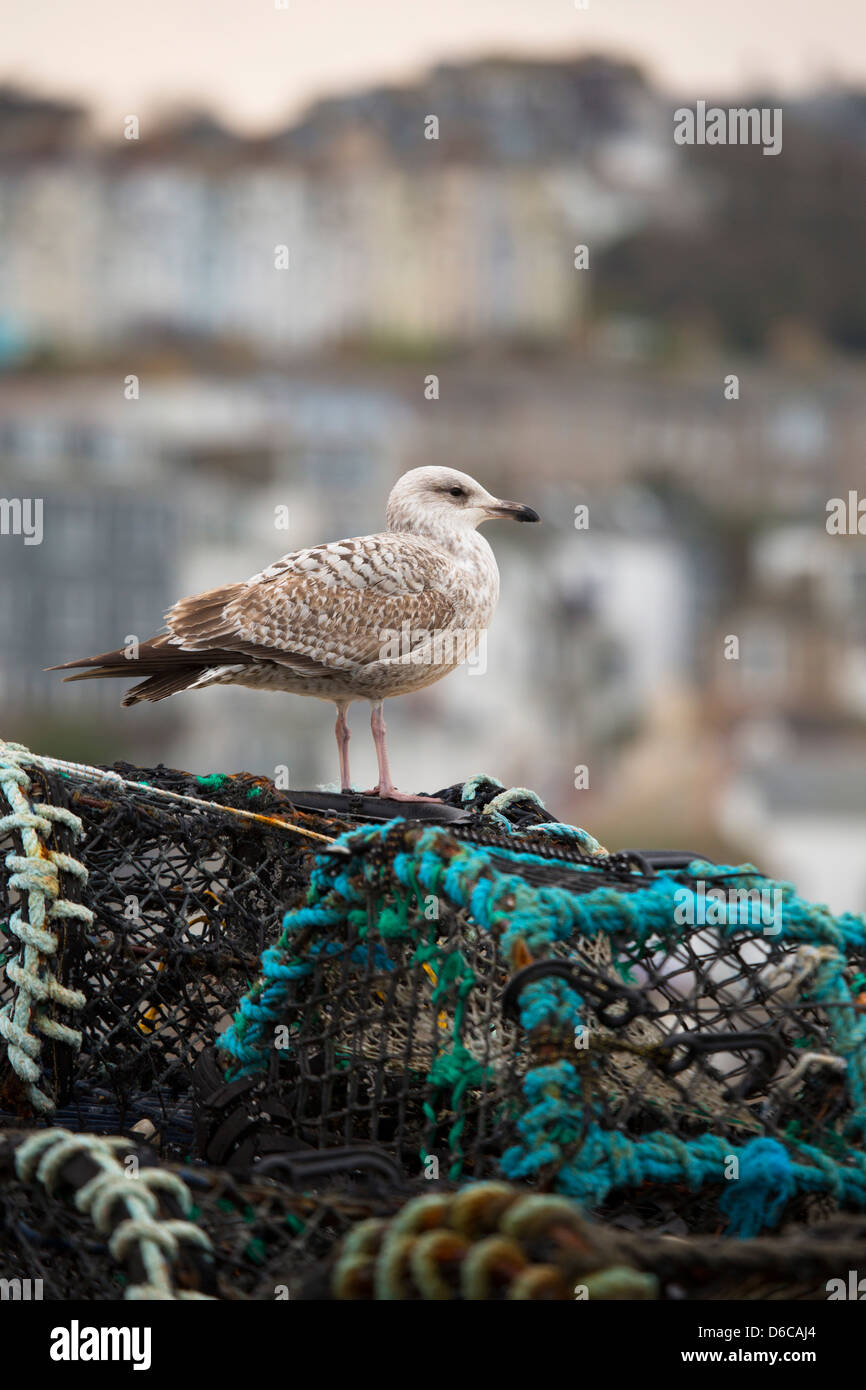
[{"x": 154, "y": 259}]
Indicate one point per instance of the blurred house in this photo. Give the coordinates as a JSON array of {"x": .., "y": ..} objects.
[
  {"x": 390, "y": 235},
  {"x": 802, "y": 815}
]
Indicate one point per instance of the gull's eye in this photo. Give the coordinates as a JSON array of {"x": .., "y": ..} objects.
[{"x": 457, "y": 492}]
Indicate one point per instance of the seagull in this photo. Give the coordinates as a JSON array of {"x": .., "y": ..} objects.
[{"x": 360, "y": 619}]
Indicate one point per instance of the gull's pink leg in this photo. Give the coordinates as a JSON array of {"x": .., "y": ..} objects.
[
  {"x": 385, "y": 786},
  {"x": 343, "y": 736}
]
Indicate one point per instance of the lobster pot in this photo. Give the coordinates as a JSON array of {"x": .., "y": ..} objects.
[
  {"x": 475, "y": 1010},
  {"x": 153, "y": 915},
  {"x": 401, "y": 1043},
  {"x": 338, "y": 1238},
  {"x": 662, "y": 1039}
]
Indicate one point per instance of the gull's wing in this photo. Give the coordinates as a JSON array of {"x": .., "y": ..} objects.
[{"x": 330, "y": 608}]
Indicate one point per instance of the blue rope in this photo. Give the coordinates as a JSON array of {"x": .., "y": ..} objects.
[
  {"x": 764, "y": 1184},
  {"x": 556, "y": 1133}
]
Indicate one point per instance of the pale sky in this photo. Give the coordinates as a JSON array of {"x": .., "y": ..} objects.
[{"x": 256, "y": 64}]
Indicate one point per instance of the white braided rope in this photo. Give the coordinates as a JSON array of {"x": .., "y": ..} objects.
[
  {"x": 42, "y": 1158},
  {"x": 35, "y": 873}
]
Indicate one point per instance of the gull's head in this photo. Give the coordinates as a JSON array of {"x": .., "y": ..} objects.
[{"x": 440, "y": 501}]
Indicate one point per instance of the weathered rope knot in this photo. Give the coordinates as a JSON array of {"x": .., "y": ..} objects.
[
  {"x": 35, "y": 874},
  {"x": 43, "y": 1158}
]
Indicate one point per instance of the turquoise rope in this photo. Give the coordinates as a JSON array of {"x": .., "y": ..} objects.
[{"x": 556, "y": 1133}]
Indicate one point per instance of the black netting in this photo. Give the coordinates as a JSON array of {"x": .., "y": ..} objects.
[
  {"x": 358, "y": 1238},
  {"x": 184, "y": 902},
  {"x": 687, "y": 1033},
  {"x": 480, "y": 1000}
]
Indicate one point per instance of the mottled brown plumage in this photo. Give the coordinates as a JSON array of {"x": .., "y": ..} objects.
[{"x": 364, "y": 618}]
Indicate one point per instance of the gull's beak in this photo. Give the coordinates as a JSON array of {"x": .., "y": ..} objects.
[{"x": 514, "y": 511}]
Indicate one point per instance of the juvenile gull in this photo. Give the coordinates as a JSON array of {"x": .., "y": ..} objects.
[{"x": 359, "y": 619}]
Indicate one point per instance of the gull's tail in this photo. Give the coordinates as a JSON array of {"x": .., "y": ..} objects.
[{"x": 167, "y": 669}]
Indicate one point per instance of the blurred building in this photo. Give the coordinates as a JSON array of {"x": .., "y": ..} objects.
[{"x": 390, "y": 235}]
